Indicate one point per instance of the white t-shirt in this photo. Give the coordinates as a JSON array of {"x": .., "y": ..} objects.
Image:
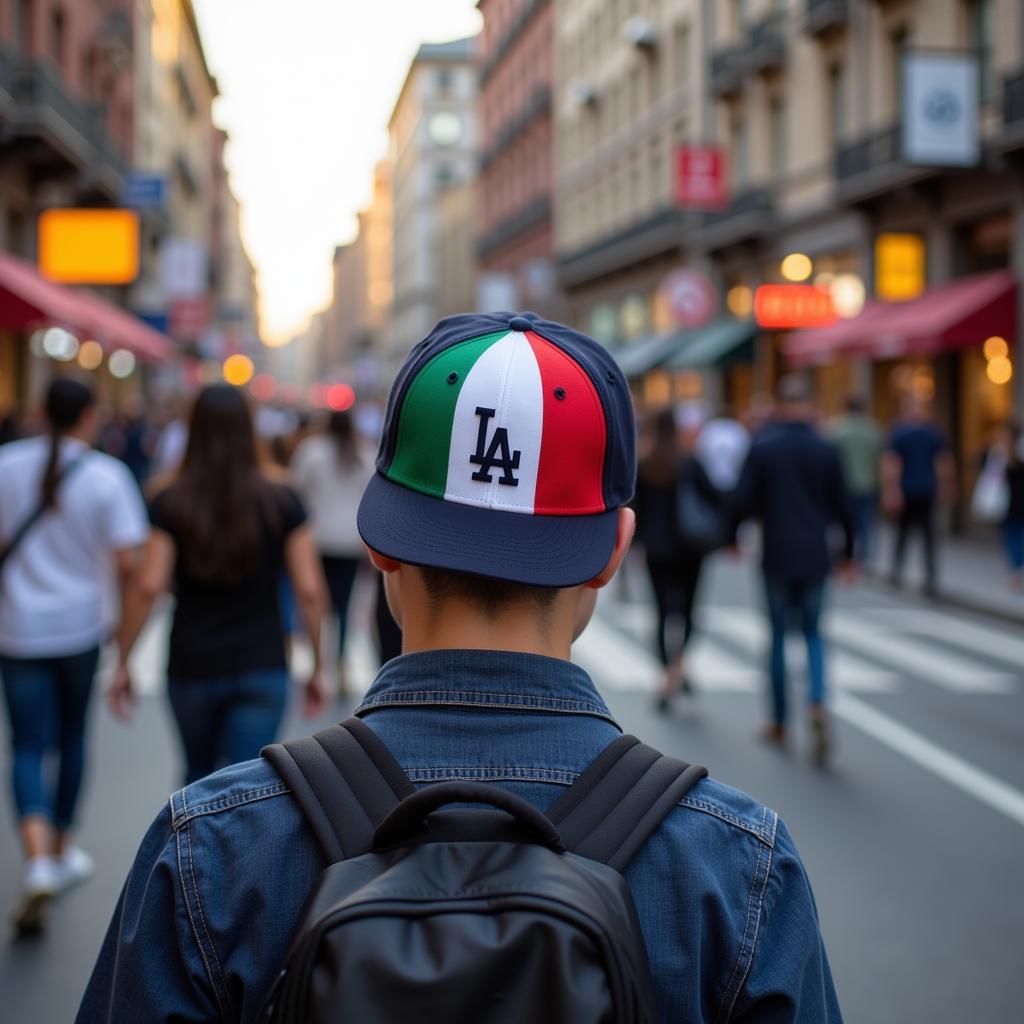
[
  {"x": 54, "y": 588},
  {"x": 332, "y": 491},
  {"x": 722, "y": 447}
]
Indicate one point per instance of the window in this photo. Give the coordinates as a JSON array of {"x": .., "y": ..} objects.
[
  {"x": 681, "y": 53},
  {"x": 738, "y": 11},
  {"x": 837, "y": 104},
  {"x": 657, "y": 171},
  {"x": 777, "y": 137},
  {"x": 57, "y": 36},
  {"x": 636, "y": 93},
  {"x": 635, "y": 197},
  {"x": 981, "y": 39},
  {"x": 444, "y": 79},
  {"x": 737, "y": 151},
  {"x": 897, "y": 46},
  {"x": 24, "y": 29},
  {"x": 443, "y": 176}
]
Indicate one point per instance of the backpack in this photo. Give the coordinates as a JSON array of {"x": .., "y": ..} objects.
[{"x": 469, "y": 915}]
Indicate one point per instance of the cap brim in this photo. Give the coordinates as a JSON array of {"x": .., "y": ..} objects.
[{"x": 542, "y": 551}]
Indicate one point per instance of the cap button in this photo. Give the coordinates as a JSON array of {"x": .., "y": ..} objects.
[{"x": 520, "y": 323}]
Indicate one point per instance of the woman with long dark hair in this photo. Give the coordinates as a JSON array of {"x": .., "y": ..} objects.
[
  {"x": 66, "y": 513},
  {"x": 332, "y": 472},
  {"x": 673, "y": 561},
  {"x": 223, "y": 533}
]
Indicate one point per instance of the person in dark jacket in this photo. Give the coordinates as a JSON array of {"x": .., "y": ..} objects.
[
  {"x": 1013, "y": 521},
  {"x": 793, "y": 484},
  {"x": 674, "y": 565}
]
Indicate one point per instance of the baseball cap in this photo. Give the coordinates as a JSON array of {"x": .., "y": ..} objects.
[{"x": 509, "y": 444}]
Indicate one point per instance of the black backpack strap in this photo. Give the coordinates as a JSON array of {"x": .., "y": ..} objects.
[
  {"x": 611, "y": 810},
  {"x": 346, "y": 782}
]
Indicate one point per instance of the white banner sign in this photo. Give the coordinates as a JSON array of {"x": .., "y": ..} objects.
[{"x": 940, "y": 109}]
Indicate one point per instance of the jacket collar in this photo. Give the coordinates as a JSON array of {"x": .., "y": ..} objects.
[{"x": 501, "y": 680}]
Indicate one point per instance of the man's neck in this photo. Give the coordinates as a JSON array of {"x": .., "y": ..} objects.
[{"x": 456, "y": 626}]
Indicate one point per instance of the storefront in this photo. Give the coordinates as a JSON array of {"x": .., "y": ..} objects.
[
  {"x": 953, "y": 347},
  {"x": 43, "y": 324}
]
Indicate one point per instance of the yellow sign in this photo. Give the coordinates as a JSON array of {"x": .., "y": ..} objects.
[
  {"x": 899, "y": 267},
  {"x": 89, "y": 246}
]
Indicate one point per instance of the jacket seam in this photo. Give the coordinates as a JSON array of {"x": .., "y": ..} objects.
[
  {"x": 717, "y": 812},
  {"x": 732, "y": 987},
  {"x": 223, "y": 804},
  {"x": 183, "y": 836},
  {"x": 757, "y": 932}
]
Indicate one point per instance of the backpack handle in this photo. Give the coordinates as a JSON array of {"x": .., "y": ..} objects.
[{"x": 410, "y": 815}]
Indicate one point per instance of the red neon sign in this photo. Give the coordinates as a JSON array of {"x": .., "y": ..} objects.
[{"x": 786, "y": 306}]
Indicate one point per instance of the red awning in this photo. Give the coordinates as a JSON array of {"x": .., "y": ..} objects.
[
  {"x": 951, "y": 316},
  {"x": 28, "y": 300}
]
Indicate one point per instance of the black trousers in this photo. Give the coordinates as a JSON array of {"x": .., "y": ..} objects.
[
  {"x": 917, "y": 516},
  {"x": 675, "y": 582},
  {"x": 340, "y": 573}
]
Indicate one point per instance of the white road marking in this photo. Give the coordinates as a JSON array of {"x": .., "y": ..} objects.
[{"x": 969, "y": 779}]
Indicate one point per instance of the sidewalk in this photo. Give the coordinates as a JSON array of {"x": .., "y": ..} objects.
[{"x": 972, "y": 574}]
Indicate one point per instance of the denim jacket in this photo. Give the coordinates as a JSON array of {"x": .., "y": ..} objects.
[{"x": 218, "y": 886}]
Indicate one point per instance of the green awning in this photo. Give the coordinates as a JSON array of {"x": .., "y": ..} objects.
[
  {"x": 640, "y": 357},
  {"x": 722, "y": 343}
]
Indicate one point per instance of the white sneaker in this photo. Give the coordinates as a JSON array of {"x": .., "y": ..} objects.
[
  {"x": 73, "y": 867},
  {"x": 39, "y": 886}
]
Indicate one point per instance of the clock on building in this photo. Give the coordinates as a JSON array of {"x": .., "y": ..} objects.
[{"x": 445, "y": 128}]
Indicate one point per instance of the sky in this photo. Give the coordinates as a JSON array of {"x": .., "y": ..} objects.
[{"x": 307, "y": 88}]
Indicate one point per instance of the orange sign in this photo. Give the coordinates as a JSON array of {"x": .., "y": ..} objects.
[
  {"x": 785, "y": 306},
  {"x": 89, "y": 246}
]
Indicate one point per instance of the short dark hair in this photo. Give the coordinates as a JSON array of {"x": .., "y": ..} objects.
[
  {"x": 856, "y": 403},
  {"x": 491, "y": 595}
]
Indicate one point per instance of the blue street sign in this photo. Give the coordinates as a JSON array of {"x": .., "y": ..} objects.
[{"x": 144, "y": 191}]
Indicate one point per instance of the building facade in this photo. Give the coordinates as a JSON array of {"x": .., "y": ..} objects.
[
  {"x": 514, "y": 208},
  {"x": 433, "y": 145}
]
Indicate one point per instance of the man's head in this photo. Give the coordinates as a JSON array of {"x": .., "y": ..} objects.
[
  {"x": 793, "y": 396},
  {"x": 507, "y": 456},
  {"x": 856, "y": 405}
]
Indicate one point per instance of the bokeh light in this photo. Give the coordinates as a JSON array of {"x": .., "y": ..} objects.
[
  {"x": 263, "y": 387},
  {"x": 996, "y": 348},
  {"x": 999, "y": 370},
  {"x": 121, "y": 363},
  {"x": 90, "y": 355},
  {"x": 740, "y": 300},
  {"x": 848, "y": 295},
  {"x": 340, "y": 397},
  {"x": 238, "y": 370},
  {"x": 60, "y": 344},
  {"x": 797, "y": 266}
]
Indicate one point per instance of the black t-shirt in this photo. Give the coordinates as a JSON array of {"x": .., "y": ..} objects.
[{"x": 223, "y": 629}]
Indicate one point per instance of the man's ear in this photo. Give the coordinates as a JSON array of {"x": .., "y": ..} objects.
[
  {"x": 624, "y": 537},
  {"x": 381, "y": 562}
]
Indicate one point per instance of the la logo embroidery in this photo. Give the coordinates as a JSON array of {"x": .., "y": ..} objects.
[{"x": 497, "y": 452}]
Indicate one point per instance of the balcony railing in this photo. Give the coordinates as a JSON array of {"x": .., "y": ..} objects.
[
  {"x": 751, "y": 201},
  {"x": 766, "y": 46},
  {"x": 727, "y": 72},
  {"x": 869, "y": 154},
  {"x": 74, "y": 130},
  {"x": 826, "y": 16},
  {"x": 534, "y": 213}
]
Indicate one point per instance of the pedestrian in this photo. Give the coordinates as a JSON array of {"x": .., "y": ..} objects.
[
  {"x": 673, "y": 557},
  {"x": 496, "y": 514},
  {"x": 917, "y": 476},
  {"x": 223, "y": 533},
  {"x": 10, "y": 429},
  {"x": 66, "y": 513},
  {"x": 722, "y": 447},
  {"x": 859, "y": 440},
  {"x": 792, "y": 484},
  {"x": 331, "y": 472},
  {"x": 1012, "y": 440}
]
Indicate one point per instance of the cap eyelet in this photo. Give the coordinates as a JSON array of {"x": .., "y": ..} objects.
[
  {"x": 611, "y": 377},
  {"x": 560, "y": 393},
  {"x": 453, "y": 377}
]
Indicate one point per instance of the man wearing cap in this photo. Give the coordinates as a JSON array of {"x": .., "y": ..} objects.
[{"x": 496, "y": 514}]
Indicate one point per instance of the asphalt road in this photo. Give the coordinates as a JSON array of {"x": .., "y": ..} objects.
[{"x": 914, "y": 839}]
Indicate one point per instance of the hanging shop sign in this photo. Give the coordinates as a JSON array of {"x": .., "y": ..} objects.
[
  {"x": 899, "y": 266},
  {"x": 87, "y": 246},
  {"x": 690, "y": 296},
  {"x": 940, "y": 108},
  {"x": 700, "y": 178},
  {"x": 789, "y": 306}
]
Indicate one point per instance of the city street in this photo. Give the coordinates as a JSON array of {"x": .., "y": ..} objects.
[{"x": 913, "y": 840}]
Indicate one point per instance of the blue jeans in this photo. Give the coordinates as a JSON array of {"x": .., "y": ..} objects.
[
  {"x": 1013, "y": 542},
  {"x": 227, "y": 719},
  {"x": 789, "y": 602},
  {"x": 47, "y": 699},
  {"x": 865, "y": 511}
]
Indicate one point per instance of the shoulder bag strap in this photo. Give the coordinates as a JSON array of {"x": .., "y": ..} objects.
[
  {"x": 37, "y": 513},
  {"x": 345, "y": 781},
  {"x": 620, "y": 800}
]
